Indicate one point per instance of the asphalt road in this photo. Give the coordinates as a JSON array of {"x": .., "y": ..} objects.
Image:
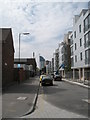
[{"x": 63, "y": 95}]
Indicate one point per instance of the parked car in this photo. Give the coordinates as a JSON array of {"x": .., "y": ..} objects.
[
  {"x": 57, "y": 77},
  {"x": 47, "y": 80},
  {"x": 41, "y": 77}
]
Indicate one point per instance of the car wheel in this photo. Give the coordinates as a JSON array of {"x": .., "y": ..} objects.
[
  {"x": 43, "y": 84},
  {"x": 51, "y": 84}
]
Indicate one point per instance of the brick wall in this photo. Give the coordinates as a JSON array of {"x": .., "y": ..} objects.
[{"x": 7, "y": 58}]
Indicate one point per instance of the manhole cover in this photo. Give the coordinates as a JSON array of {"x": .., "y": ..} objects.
[{"x": 21, "y": 98}]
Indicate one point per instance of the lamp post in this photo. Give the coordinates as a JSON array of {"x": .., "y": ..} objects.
[
  {"x": 19, "y": 53},
  {"x": 19, "y": 42}
]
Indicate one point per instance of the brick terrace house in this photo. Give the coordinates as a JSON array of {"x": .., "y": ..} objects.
[{"x": 7, "y": 56}]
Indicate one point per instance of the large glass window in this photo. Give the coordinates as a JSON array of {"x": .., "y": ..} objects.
[
  {"x": 74, "y": 34},
  {"x": 87, "y": 56},
  {"x": 87, "y": 23},
  {"x": 80, "y": 42},
  {"x": 62, "y": 57},
  {"x": 87, "y": 40},
  {"x": 75, "y": 58},
  {"x": 75, "y": 46},
  {"x": 79, "y": 28},
  {"x": 71, "y": 50},
  {"x": 71, "y": 40},
  {"x": 89, "y": 20},
  {"x": 81, "y": 56},
  {"x": 72, "y": 62}
]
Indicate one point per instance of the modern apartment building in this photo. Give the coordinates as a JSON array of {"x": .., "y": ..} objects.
[
  {"x": 41, "y": 62},
  {"x": 80, "y": 45},
  {"x": 64, "y": 53},
  {"x": 48, "y": 67},
  {"x": 56, "y": 59},
  {"x": 52, "y": 65}
]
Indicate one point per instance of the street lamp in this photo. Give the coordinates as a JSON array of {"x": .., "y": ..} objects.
[{"x": 19, "y": 42}]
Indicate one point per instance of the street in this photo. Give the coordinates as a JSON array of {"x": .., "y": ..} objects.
[{"x": 62, "y": 100}]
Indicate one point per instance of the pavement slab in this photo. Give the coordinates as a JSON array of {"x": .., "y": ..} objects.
[{"x": 18, "y": 99}]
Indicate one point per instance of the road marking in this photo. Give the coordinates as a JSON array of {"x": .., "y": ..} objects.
[
  {"x": 21, "y": 98},
  {"x": 86, "y": 100}
]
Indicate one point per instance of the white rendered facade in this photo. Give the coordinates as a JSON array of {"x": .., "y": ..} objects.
[
  {"x": 61, "y": 57},
  {"x": 80, "y": 50},
  {"x": 56, "y": 59}
]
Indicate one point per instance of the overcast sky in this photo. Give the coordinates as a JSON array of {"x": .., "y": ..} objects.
[{"x": 47, "y": 22}]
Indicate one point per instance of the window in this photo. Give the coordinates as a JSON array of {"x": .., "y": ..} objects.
[
  {"x": 72, "y": 62},
  {"x": 80, "y": 42},
  {"x": 81, "y": 56},
  {"x": 79, "y": 28},
  {"x": 75, "y": 46},
  {"x": 89, "y": 20},
  {"x": 74, "y": 34},
  {"x": 87, "y": 40},
  {"x": 71, "y": 50},
  {"x": 75, "y": 58},
  {"x": 87, "y": 23},
  {"x": 62, "y": 57},
  {"x": 71, "y": 40},
  {"x": 87, "y": 56}
]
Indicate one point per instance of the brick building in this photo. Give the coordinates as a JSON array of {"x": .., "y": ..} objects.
[{"x": 7, "y": 56}]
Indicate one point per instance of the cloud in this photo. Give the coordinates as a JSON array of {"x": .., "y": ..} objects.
[{"x": 47, "y": 22}]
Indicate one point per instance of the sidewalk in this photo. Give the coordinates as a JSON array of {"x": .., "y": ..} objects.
[
  {"x": 78, "y": 82},
  {"x": 46, "y": 110},
  {"x": 18, "y": 99}
]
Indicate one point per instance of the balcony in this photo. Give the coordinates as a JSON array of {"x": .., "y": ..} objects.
[
  {"x": 87, "y": 44},
  {"x": 71, "y": 42},
  {"x": 86, "y": 28},
  {"x": 87, "y": 61},
  {"x": 71, "y": 53}
]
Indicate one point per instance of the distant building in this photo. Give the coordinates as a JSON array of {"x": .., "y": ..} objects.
[
  {"x": 64, "y": 53},
  {"x": 80, "y": 45},
  {"x": 48, "y": 67},
  {"x": 56, "y": 59},
  {"x": 52, "y": 65},
  {"x": 41, "y": 62},
  {"x": 26, "y": 63},
  {"x": 7, "y": 56}
]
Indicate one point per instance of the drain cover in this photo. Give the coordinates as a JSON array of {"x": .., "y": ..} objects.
[{"x": 21, "y": 98}]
